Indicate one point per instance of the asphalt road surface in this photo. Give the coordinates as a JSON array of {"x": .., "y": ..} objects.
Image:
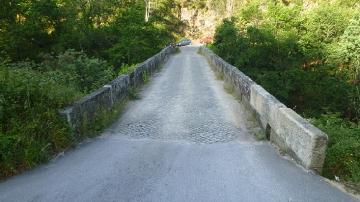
[{"x": 186, "y": 139}]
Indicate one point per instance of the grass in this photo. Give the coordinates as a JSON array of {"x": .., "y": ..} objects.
[
  {"x": 145, "y": 77},
  {"x": 127, "y": 69},
  {"x": 257, "y": 132},
  {"x": 42, "y": 132},
  {"x": 104, "y": 119},
  {"x": 229, "y": 88},
  {"x": 219, "y": 76},
  {"x": 133, "y": 94}
]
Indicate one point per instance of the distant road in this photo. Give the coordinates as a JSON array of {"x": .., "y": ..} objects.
[{"x": 185, "y": 140}]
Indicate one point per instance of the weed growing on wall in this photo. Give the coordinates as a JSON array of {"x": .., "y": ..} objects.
[{"x": 102, "y": 119}]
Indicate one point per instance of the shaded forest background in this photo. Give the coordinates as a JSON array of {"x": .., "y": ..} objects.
[
  {"x": 52, "y": 52},
  {"x": 307, "y": 54}
]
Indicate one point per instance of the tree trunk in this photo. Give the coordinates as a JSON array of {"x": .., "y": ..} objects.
[
  {"x": 229, "y": 7},
  {"x": 147, "y": 10}
]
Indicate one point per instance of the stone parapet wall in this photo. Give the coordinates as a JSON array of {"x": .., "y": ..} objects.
[
  {"x": 284, "y": 127},
  {"x": 89, "y": 108}
]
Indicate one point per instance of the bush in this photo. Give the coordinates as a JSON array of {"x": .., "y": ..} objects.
[
  {"x": 254, "y": 46},
  {"x": 226, "y": 41},
  {"x": 126, "y": 69},
  {"x": 31, "y": 130},
  {"x": 77, "y": 69},
  {"x": 139, "y": 39},
  {"x": 347, "y": 55},
  {"x": 310, "y": 92},
  {"x": 111, "y": 30},
  {"x": 343, "y": 153},
  {"x": 324, "y": 25},
  {"x": 309, "y": 59},
  {"x": 54, "y": 52},
  {"x": 270, "y": 45}
]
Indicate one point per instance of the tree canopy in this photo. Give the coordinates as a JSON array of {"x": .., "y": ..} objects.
[{"x": 307, "y": 55}]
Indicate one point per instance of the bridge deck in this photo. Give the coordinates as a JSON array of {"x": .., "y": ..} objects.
[{"x": 186, "y": 139}]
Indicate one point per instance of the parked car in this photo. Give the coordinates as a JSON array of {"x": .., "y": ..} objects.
[{"x": 184, "y": 42}]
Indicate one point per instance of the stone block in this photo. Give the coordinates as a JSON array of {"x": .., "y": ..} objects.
[
  {"x": 285, "y": 128},
  {"x": 264, "y": 104},
  {"x": 295, "y": 135},
  {"x": 89, "y": 107},
  {"x": 119, "y": 88}
]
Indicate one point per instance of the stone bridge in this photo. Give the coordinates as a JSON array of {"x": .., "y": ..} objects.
[{"x": 190, "y": 137}]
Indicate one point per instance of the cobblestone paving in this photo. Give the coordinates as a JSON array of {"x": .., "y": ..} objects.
[
  {"x": 186, "y": 139},
  {"x": 186, "y": 103}
]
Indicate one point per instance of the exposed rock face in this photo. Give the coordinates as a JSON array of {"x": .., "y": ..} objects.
[
  {"x": 202, "y": 19},
  {"x": 200, "y": 23},
  {"x": 203, "y": 16}
]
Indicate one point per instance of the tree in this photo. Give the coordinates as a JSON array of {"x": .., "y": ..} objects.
[{"x": 349, "y": 58}]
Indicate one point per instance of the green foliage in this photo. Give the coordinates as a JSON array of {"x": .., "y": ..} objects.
[
  {"x": 244, "y": 47},
  {"x": 226, "y": 41},
  {"x": 251, "y": 13},
  {"x": 133, "y": 94},
  {"x": 140, "y": 40},
  {"x": 349, "y": 48},
  {"x": 304, "y": 90},
  {"x": 30, "y": 127},
  {"x": 126, "y": 69},
  {"x": 28, "y": 27},
  {"x": 78, "y": 70},
  {"x": 31, "y": 130},
  {"x": 309, "y": 59},
  {"x": 103, "y": 119},
  {"x": 343, "y": 154},
  {"x": 195, "y": 4},
  {"x": 270, "y": 45},
  {"x": 113, "y": 30},
  {"x": 52, "y": 52},
  {"x": 348, "y": 56},
  {"x": 323, "y": 26}
]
